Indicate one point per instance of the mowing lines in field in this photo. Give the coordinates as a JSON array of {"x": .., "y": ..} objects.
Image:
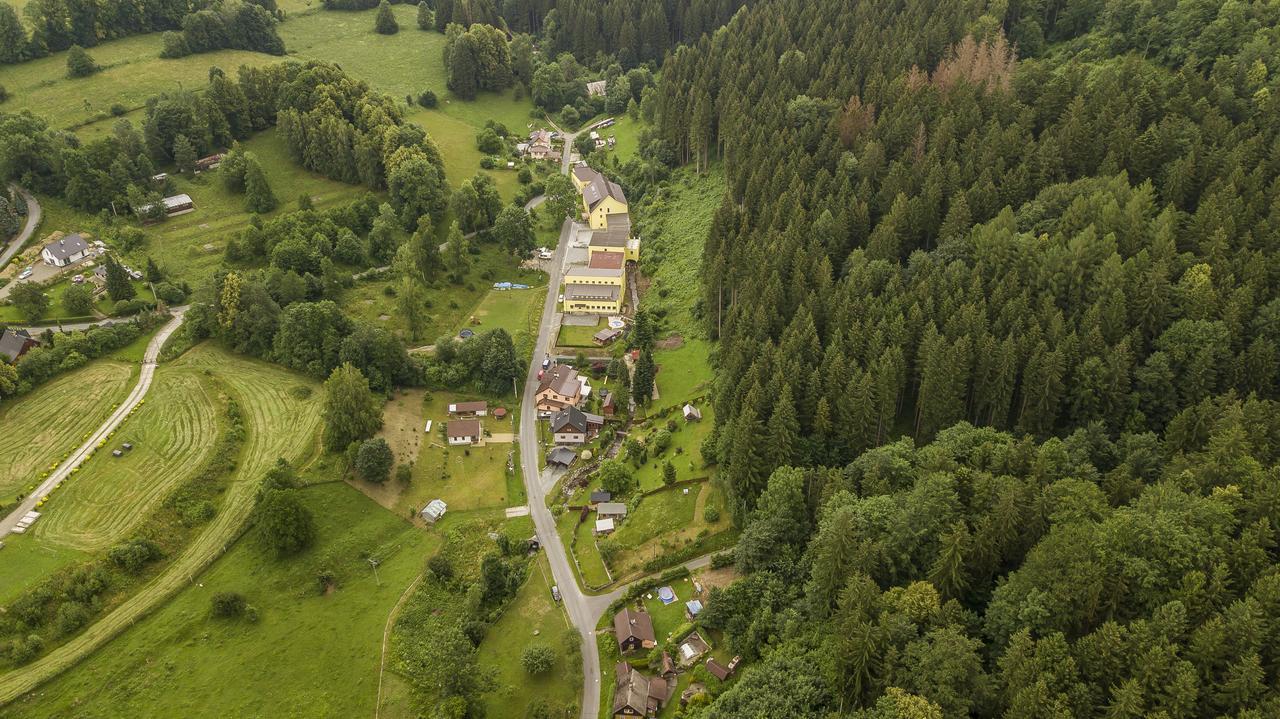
[
  {"x": 41, "y": 428},
  {"x": 277, "y": 424},
  {"x": 172, "y": 436}
]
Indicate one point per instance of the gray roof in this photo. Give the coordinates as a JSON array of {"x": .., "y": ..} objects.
[
  {"x": 570, "y": 418},
  {"x": 562, "y": 456},
  {"x": 70, "y": 245},
  {"x": 599, "y": 189},
  {"x": 13, "y": 342},
  {"x": 592, "y": 292},
  {"x": 616, "y": 232},
  {"x": 618, "y": 509}
]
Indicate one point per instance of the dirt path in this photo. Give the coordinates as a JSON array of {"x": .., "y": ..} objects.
[{"x": 386, "y": 639}]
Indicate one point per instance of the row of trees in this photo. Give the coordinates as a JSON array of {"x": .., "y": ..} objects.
[{"x": 227, "y": 24}]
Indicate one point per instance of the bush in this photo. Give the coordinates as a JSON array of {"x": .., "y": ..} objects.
[
  {"x": 374, "y": 460},
  {"x": 170, "y": 294},
  {"x": 537, "y": 659},
  {"x": 78, "y": 299},
  {"x": 71, "y": 617},
  {"x": 134, "y": 554},
  {"x": 4, "y": 94},
  {"x": 385, "y": 23},
  {"x": 228, "y": 604},
  {"x": 488, "y": 162},
  {"x": 428, "y": 99},
  {"x": 660, "y": 441},
  {"x": 711, "y": 514},
  {"x": 79, "y": 64},
  {"x": 22, "y": 651},
  {"x": 440, "y": 566},
  {"x": 117, "y": 109},
  {"x": 404, "y": 473},
  {"x": 524, "y": 176}
]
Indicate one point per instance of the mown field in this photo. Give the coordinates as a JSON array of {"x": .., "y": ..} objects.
[
  {"x": 43, "y": 427},
  {"x": 311, "y": 654},
  {"x": 281, "y": 412},
  {"x": 172, "y": 435}
]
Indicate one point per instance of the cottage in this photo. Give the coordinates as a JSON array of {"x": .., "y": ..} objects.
[
  {"x": 607, "y": 404},
  {"x": 612, "y": 509},
  {"x": 434, "y": 510},
  {"x": 692, "y": 649},
  {"x": 559, "y": 387},
  {"x": 70, "y": 249},
  {"x": 718, "y": 670},
  {"x": 604, "y": 526},
  {"x": 15, "y": 343},
  {"x": 691, "y": 413},
  {"x": 469, "y": 409},
  {"x": 463, "y": 431},
  {"x": 669, "y": 669},
  {"x": 597, "y": 88},
  {"x": 561, "y": 457},
  {"x": 635, "y": 695},
  {"x": 633, "y": 630},
  {"x": 601, "y": 495},
  {"x": 569, "y": 426}
]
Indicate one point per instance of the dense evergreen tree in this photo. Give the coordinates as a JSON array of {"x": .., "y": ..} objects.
[
  {"x": 79, "y": 64},
  {"x": 385, "y": 22}
]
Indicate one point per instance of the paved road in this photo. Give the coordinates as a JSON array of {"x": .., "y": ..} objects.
[
  {"x": 80, "y": 455},
  {"x": 34, "y": 213},
  {"x": 74, "y": 326}
]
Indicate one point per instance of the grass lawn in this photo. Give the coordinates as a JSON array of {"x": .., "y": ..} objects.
[
  {"x": 659, "y": 514},
  {"x": 58, "y": 311},
  {"x": 172, "y": 435},
  {"x": 308, "y": 649},
  {"x": 591, "y": 569},
  {"x": 532, "y": 618},
  {"x": 26, "y": 560},
  {"x": 466, "y": 478},
  {"x": 626, "y": 131},
  {"x": 449, "y": 305},
  {"x": 516, "y": 311},
  {"x": 578, "y": 335},
  {"x": 684, "y": 374},
  {"x": 42, "y": 428},
  {"x": 685, "y": 451}
]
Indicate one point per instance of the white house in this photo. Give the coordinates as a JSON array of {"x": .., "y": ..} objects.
[
  {"x": 65, "y": 251},
  {"x": 463, "y": 431}
]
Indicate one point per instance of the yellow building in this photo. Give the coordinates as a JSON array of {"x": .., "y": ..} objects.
[
  {"x": 616, "y": 237},
  {"x": 598, "y": 287},
  {"x": 601, "y": 197}
]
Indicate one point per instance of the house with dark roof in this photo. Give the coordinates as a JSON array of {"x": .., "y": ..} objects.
[
  {"x": 600, "y": 495},
  {"x": 573, "y": 426},
  {"x": 15, "y": 343},
  {"x": 469, "y": 409},
  {"x": 601, "y": 197},
  {"x": 636, "y": 695},
  {"x": 62, "y": 252},
  {"x": 633, "y": 629},
  {"x": 561, "y": 456}
]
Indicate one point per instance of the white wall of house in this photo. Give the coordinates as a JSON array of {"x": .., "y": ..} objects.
[
  {"x": 570, "y": 438},
  {"x": 461, "y": 440}
]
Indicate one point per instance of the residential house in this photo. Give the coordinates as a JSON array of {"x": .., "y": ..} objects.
[
  {"x": 597, "y": 88},
  {"x": 15, "y": 343},
  {"x": 559, "y": 387},
  {"x": 636, "y": 695},
  {"x": 601, "y": 197},
  {"x": 691, "y": 413},
  {"x": 65, "y": 251},
  {"x": 692, "y": 649},
  {"x": 469, "y": 409},
  {"x": 573, "y": 426},
  {"x": 612, "y": 509},
  {"x": 463, "y": 431},
  {"x": 539, "y": 146},
  {"x": 616, "y": 237},
  {"x": 633, "y": 629}
]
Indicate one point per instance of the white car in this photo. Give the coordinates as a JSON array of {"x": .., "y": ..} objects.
[
  {"x": 545, "y": 254},
  {"x": 26, "y": 273},
  {"x": 560, "y": 299}
]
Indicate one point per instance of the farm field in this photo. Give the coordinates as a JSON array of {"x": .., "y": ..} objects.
[
  {"x": 172, "y": 435},
  {"x": 531, "y": 618},
  {"x": 309, "y": 649},
  {"x": 43, "y": 427},
  {"x": 282, "y": 418}
]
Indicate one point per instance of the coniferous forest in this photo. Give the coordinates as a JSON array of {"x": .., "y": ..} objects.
[{"x": 996, "y": 293}]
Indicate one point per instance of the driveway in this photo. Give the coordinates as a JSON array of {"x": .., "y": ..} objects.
[{"x": 34, "y": 213}]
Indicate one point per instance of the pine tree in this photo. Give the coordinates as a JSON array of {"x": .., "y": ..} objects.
[
  {"x": 458, "y": 257},
  {"x": 385, "y": 23},
  {"x": 13, "y": 36},
  {"x": 119, "y": 287},
  {"x": 642, "y": 378},
  {"x": 257, "y": 191},
  {"x": 184, "y": 154},
  {"x": 426, "y": 19},
  {"x": 948, "y": 570}
]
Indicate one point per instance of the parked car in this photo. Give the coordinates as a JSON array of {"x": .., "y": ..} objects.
[
  {"x": 540, "y": 373},
  {"x": 560, "y": 299},
  {"x": 546, "y": 361},
  {"x": 545, "y": 254},
  {"x": 77, "y": 280},
  {"x": 555, "y": 592},
  {"x": 26, "y": 273}
]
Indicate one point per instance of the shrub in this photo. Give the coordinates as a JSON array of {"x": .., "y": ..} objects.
[
  {"x": 428, "y": 99},
  {"x": 228, "y": 604},
  {"x": 117, "y": 109},
  {"x": 440, "y": 566},
  {"x": 134, "y": 554},
  {"x": 170, "y": 294},
  {"x": 524, "y": 176},
  {"x": 404, "y": 473},
  {"x": 71, "y": 617},
  {"x": 385, "y": 23},
  {"x": 4, "y": 94},
  {"x": 660, "y": 441},
  {"x": 22, "y": 651},
  {"x": 537, "y": 659},
  {"x": 79, "y": 64},
  {"x": 711, "y": 514}
]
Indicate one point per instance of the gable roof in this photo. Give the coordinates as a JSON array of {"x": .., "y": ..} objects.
[
  {"x": 569, "y": 419},
  {"x": 464, "y": 407},
  {"x": 631, "y": 623},
  {"x": 718, "y": 670},
  {"x": 598, "y": 190},
  {"x": 631, "y": 690},
  {"x": 601, "y": 495},
  {"x": 64, "y": 248},
  {"x": 616, "y": 232},
  {"x": 13, "y": 343},
  {"x": 606, "y": 260},
  {"x": 459, "y": 428},
  {"x": 561, "y": 379},
  {"x": 615, "y": 508},
  {"x": 562, "y": 456}
]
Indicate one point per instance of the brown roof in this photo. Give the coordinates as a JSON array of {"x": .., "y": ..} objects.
[
  {"x": 606, "y": 260},
  {"x": 561, "y": 379},
  {"x": 598, "y": 190},
  {"x": 464, "y": 407},
  {"x": 586, "y": 174},
  {"x": 718, "y": 670},
  {"x": 631, "y": 623},
  {"x": 458, "y": 428}
]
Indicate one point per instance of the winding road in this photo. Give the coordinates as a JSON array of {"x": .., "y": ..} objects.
[
  {"x": 77, "y": 457},
  {"x": 34, "y": 213}
]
